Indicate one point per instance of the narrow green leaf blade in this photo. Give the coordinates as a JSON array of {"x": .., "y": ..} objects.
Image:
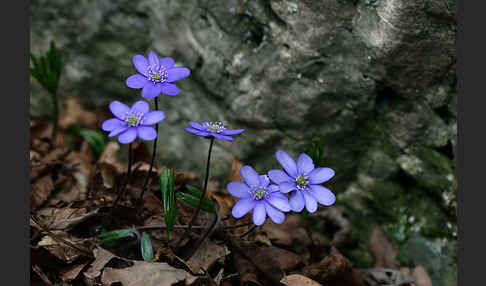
[
  {"x": 111, "y": 236},
  {"x": 167, "y": 183},
  {"x": 147, "y": 250},
  {"x": 192, "y": 199}
]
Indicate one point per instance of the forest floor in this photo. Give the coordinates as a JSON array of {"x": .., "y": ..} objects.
[{"x": 74, "y": 184}]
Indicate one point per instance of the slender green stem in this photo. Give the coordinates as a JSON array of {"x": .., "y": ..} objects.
[
  {"x": 127, "y": 177},
  {"x": 154, "y": 152},
  {"x": 194, "y": 216},
  {"x": 55, "y": 104}
]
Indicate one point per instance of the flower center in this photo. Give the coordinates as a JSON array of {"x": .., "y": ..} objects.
[
  {"x": 302, "y": 183},
  {"x": 214, "y": 127},
  {"x": 157, "y": 75},
  {"x": 133, "y": 118},
  {"x": 259, "y": 192}
]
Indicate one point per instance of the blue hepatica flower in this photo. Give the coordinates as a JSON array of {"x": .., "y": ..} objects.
[
  {"x": 302, "y": 181},
  {"x": 257, "y": 194},
  {"x": 213, "y": 129},
  {"x": 130, "y": 123},
  {"x": 156, "y": 75}
]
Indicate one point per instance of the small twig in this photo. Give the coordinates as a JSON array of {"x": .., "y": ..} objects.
[
  {"x": 159, "y": 226},
  {"x": 194, "y": 216},
  {"x": 59, "y": 239},
  {"x": 249, "y": 231},
  {"x": 127, "y": 177},
  {"x": 42, "y": 275},
  {"x": 216, "y": 221},
  {"x": 237, "y": 225},
  {"x": 55, "y": 102}
]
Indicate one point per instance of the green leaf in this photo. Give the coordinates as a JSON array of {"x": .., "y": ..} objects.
[
  {"x": 168, "y": 200},
  {"x": 114, "y": 235},
  {"x": 316, "y": 152},
  {"x": 192, "y": 199},
  {"x": 96, "y": 140},
  {"x": 47, "y": 68},
  {"x": 147, "y": 250}
]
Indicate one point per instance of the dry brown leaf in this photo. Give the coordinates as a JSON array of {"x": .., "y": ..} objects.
[
  {"x": 298, "y": 280},
  {"x": 383, "y": 249},
  {"x": 206, "y": 255},
  {"x": 70, "y": 273},
  {"x": 102, "y": 257},
  {"x": 57, "y": 247},
  {"x": 110, "y": 156},
  {"x": 235, "y": 174},
  {"x": 145, "y": 273},
  {"x": 421, "y": 276},
  {"x": 83, "y": 172},
  {"x": 334, "y": 270},
  {"x": 64, "y": 218},
  {"x": 40, "y": 191},
  {"x": 74, "y": 114}
]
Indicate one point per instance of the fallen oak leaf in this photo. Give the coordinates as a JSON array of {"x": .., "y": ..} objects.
[
  {"x": 59, "y": 219},
  {"x": 40, "y": 191},
  {"x": 145, "y": 273},
  {"x": 206, "y": 256},
  {"x": 70, "y": 273},
  {"x": 298, "y": 280}
]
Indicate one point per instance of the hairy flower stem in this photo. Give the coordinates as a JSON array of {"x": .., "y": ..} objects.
[
  {"x": 154, "y": 152},
  {"x": 55, "y": 103},
  {"x": 194, "y": 216},
  {"x": 127, "y": 177}
]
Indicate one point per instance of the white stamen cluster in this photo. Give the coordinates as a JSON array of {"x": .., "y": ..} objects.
[
  {"x": 259, "y": 192},
  {"x": 214, "y": 127},
  {"x": 302, "y": 183},
  {"x": 133, "y": 118},
  {"x": 159, "y": 75}
]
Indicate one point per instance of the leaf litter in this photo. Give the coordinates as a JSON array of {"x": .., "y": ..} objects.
[{"x": 72, "y": 190}]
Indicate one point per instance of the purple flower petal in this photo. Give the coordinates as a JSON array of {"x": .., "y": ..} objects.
[
  {"x": 153, "y": 60},
  {"x": 273, "y": 188},
  {"x": 197, "y": 132},
  {"x": 323, "y": 195},
  {"x": 136, "y": 81},
  {"x": 232, "y": 131},
  {"x": 197, "y": 126},
  {"x": 151, "y": 90},
  {"x": 167, "y": 63},
  {"x": 275, "y": 215},
  {"x": 222, "y": 137},
  {"x": 242, "y": 207},
  {"x": 320, "y": 175},
  {"x": 310, "y": 202},
  {"x": 153, "y": 117},
  {"x": 264, "y": 180},
  {"x": 128, "y": 136},
  {"x": 250, "y": 176},
  {"x": 177, "y": 74},
  {"x": 279, "y": 176},
  {"x": 279, "y": 201},
  {"x": 140, "y": 106},
  {"x": 286, "y": 187},
  {"x": 304, "y": 164},
  {"x": 287, "y": 163},
  {"x": 119, "y": 109},
  {"x": 239, "y": 190},
  {"x": 111, "y": 124},
  {"x": 259, "y": 213},
  {"x": 170, "y": 89},
  {"x": 140, "y": 63},
  {"x": 146, "y": 133},
  {"x": 118, "y": 130},
  {"x": 296, "y": 201}
]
